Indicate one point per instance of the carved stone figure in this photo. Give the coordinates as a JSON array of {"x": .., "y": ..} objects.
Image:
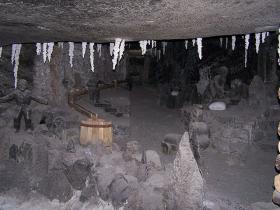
[
  {"x": 23, "y": 98},
  {"x": 216, "y": 87},
  {"x": 238, "y": 91},
  {"x": 93, "y": 89}
]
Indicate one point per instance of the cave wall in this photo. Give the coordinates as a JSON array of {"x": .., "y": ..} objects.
[{"x": 53, "y": 79}]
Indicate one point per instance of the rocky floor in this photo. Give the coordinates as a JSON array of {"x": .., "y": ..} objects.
[{"x": 232, "y": 180}]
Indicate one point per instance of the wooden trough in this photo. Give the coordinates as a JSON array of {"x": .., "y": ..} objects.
[{"x": 94, "y": 131}]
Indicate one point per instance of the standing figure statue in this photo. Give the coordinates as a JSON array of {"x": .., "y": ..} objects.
[
  {"x": 216, "y": 87},
  {"x": 23, "y": 98},
  {"x": 93, "y": 89}
]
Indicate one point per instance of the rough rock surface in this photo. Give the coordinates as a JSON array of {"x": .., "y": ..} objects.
[
  {"x": 87, "y": 20},
  {"x": 152, "y": 158},
  {"x": 55, "y": 186},
  {"x": 188, "y": 182},
  {"x": 78, "y": 173},
  {"x": 119, "y": 190}
]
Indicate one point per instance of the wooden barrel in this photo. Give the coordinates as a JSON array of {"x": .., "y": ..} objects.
[{"x": 96, "y": 130}]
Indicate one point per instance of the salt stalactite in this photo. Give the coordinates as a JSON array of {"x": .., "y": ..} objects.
[
  {"x": 193, "y": 42},
  {"x": 247, "y": 37},
  {"x": 143, "y": 45},
  {"x": 164, "y": 45},
  {"x": 267, "y": 33},
  {"x": 122, "y": 47},
  {"x": 14, "y": 46},
  {"x": 71, "y": 53},
  {"x": 45, "y": 52},
  {"x": 91, "y": 52},
  {"x": 116, "y": 51},
  {"x": 186, "y": 44},
  {"x": 60, "y": 45},
  {"x": 17, "y": 53},
  {"x": 149, "y": 42},
  {"x": 38, "y": 48},
  {"x": 233, "y": 40},
  {"x": 111, "y": 48},
  {"x": 84, "y": 48},
  {"x": 199, "y": 47},
  {"x": 154, "y": 43},
  {"x": 99, "y": 48},
  {"x": 1, "y": 49},
  {"x": 50, "y": 50},
  {"x": 258, "y": 39},
  {"x": 158, "y": 54},
  {"x": 263, "y": 37},
  {"x": 221, "y": 42},
  {"x": 226, "y": 42}
]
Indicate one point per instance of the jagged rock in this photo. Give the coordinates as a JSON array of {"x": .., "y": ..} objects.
[
  {"x": 187, "y": 180},
  {"x": 113, "y": 159},
  {"x": 170, "y": 142},
  {"x": 14, "y": 175},
  {"x": 119, "y": 190},
  {"x": 199, "y": 135},
  {"x": 192, "y": 114},
  {"x": 156, "y": 180},
  {"x": 41, "y": 160},
  {"x": 71, "y": 147},
  {"x": 142, "y": 172},
  {"x": 55, "y": 186},
  {"x": 151, "y": 157},
  {"x": 132, "y": 151},
  {"x": 90, "y": 190},
  {"x": 131, "y": 167},
  {"x": 104, "y": 177},
  {"x": 54, "y": 160},
  {"x": 78, "y": 173},
  {"x": 145, "y": 198}
]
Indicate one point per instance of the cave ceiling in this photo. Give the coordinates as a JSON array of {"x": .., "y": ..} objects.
[{"x": 29, "y": 21}]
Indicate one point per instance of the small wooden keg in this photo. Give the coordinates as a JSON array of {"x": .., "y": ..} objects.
[{"x": 96, "y": 130}]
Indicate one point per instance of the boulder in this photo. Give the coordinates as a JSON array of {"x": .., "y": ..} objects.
[
  {"x": 145, "y": 198},
  {"x": 55, "y": 186},
  {"x": 199, "y": 135},
  {"x": 217, "y": 106},
  {"x": 152, "y": 158},
  {"x": 157, "y": 180},
  {"x": 187, "y": 179},
  {"x": 14, "y": 175},
  {"x": 90, "y": 190},
  {"x": 170, "y": 142},
  {"x": 119, "y": 190},
  {"x": 78, "y": 173},
  {"x": 104, "y": 177}
]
